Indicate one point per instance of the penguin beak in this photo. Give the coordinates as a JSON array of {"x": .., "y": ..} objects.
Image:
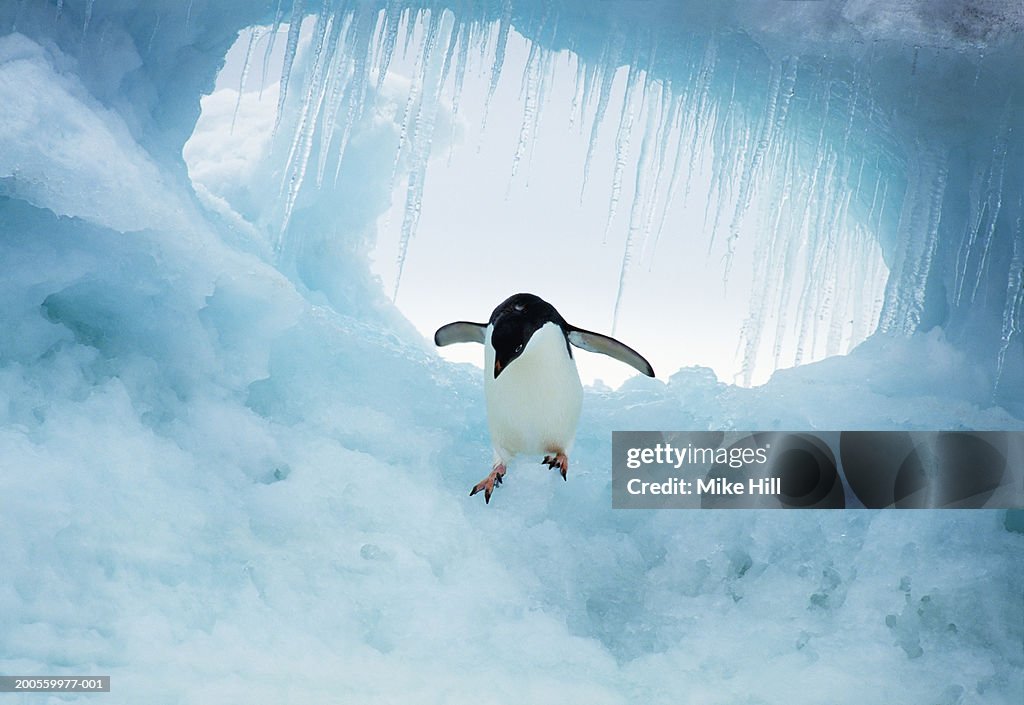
[{"x": 497, "y": 368}]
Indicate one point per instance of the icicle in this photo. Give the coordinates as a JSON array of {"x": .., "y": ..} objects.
[
  {"x": 321, "y": 30},
  {"x": 819, "y": 245},
  {"x": 769, "y": 258},
  {"x": 866, "y": 284},
  {"x": 880, "y": 277},
  {"x": 636, "y": 217},
  {"x": 784, "y": 243},
  {"x": 254, "y": 36},
  {"x": 60, "y": 9},
  {"x": 362, "y": 37},
  {"x": 294, "y": 28},
  {"x": 188, "y": 14},
  {"x": 278, "y": 16},
  {"x": 152, "y": 35},
  {"x": 589, "y": 72},
  {"x": 538, "y": 68},
  {"x": 532, "y": 92},
  {"x": 852, "y": 113},
  {"x": 827, "y": 305},
  {"x": 802, "y": 237},
  {"x": 423, "y": 119},
  {"x": 976, "y": 209},
  {"x": 505, "y": 24},
  {"x": 449, "y": 54},
  {"x": 530, "y": 79},
  {"x": 874, "y": 197},
  {"x": 380, "y": 31},
  {"x": 307, "y": 117},
  {"x": 302, "y": 142},
  {"x": 622, "y": 137},
  {"x": 390, "y": 28},
  {"x": 703, "y": 107},
  {"x": 412, "y": 19},
  {"x": 461, "y": 63},
  {"x": 673, "y": 184},
  {"x": 995, "y": 200},
  {"x": 874, "y": 291},
  {"x": 577, "y": 93},
  {"x": 666, "y": 118},
  {"x": 923, "y": 265},
  {"x": 88, "y": 16},
  {"x": 546, "y": 76},
  {"x": 535, "y": 51},
  {"x": 917, "y": 234},
  {"x": 337, "y": 76},
  {"x": 780, "y": 92},
  {"x": 840, "y": 312},
  {"x": 420, "y": 140},
  {"x": 647, "y": 67},
  {"x": 860, "y": 177},
  {"x": 409, "y": 115},
  {"x": 524, "y": 80},
  {"x": 1013, "y": 309},
  {"x": 607, "y": 79},
  {"x": 483, "y": 39},
  {"x": 723, "y": 141},
  {"x": 860, "y": 280},
  {"x": 811, "y": 228},
  {"x": 881, "y": 207}
]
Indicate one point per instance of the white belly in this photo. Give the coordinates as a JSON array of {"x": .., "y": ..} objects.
[{"x": 534, "y": 404}]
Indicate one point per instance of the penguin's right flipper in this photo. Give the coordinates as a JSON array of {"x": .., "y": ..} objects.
[
  {"x": 597, "y": 343},
  {"x": 460, "y": 332}
]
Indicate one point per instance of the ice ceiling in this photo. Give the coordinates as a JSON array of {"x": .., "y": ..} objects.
[
  {"x": 833, "y": 129},
  {"x": 845, "y": 140}
]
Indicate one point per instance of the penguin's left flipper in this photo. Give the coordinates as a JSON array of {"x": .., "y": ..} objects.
[
  {"x": 460, "y": 332},
  {"x": 597, "y": 343}
]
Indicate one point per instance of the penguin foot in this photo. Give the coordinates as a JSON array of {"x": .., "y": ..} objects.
[
  {"x": 559, "y": 461},
  {"x": 489, "y": 483}
]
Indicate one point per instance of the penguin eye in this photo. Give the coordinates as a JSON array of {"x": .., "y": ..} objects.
[
  {"x": 519, "y": 307},
  {"x": 519, "y": 348}
]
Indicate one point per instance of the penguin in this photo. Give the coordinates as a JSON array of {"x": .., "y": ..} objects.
[{"x": 531, "y": 384}]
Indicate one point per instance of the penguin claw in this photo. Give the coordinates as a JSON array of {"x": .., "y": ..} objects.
[
  {"x": 559, "y": 461},
  {"x": 489, "y": 483},
  {"x": 487, "y": 491}
]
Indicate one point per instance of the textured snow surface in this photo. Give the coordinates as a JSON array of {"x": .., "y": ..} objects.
[
  {"x": 231, "y": 472},
  {"x": 215, "y": 491}
]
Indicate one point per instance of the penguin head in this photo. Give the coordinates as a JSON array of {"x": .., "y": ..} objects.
[{"x": 514, "y": 322}]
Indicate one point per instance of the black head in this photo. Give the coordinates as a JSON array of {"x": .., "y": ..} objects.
[{"x": 515, "y": 320}]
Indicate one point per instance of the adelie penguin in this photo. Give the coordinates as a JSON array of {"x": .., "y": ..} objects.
[{"x": 532, "y": 388}]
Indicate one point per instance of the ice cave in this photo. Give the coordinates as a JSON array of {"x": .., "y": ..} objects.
[{"x": 234, "y": 467}]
